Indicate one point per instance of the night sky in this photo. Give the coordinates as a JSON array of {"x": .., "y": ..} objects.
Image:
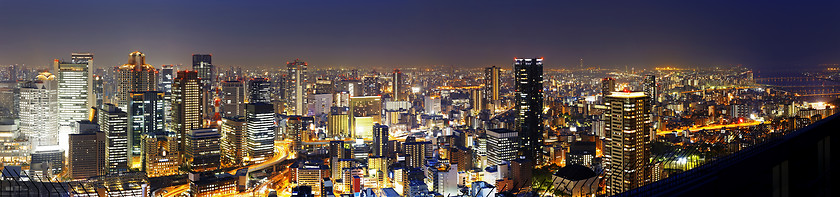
[{"x": 423, "y": 33}]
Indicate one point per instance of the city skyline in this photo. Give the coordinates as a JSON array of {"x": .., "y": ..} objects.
[{"x": 774, "y": 35}]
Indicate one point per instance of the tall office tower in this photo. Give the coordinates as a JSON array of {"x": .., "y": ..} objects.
[
  {"x": 75, "y": 94},
  {"x": 380, "y": 140},
  {"x": 233, "y": 140},
  {"x": 296, "y": 91},
  {"x": 203, "y": 64},
  {"x": 477, "y": 101},
  {"x": 398, "y": 87},
  {"x": 364, "y": 112},
  {"x": 98, "y": 91},
  {"x": 167, "y": 76},
  {"x": 416, "y": 153},
  {"x": 161, "y": 154},
  {"x": 529, "y": 105},
  {"x": 135, "y": 76},
  {"x": 492, "y": 82},
  {"x": 650, "y": 89},
  {"x": 607, "y": 86},
  {"x": 351, "y": 87},
  {"x": 339, "y": 149},
  {"x": 233, "y": 98},
  {"x": 260, "y": 132},
  {"x": 627, "y": 145},
  {"x": 186, "y": 105},
  {"x": 203, "y": 151},
  {"x": 145, "y": 115},
  {"x": 295, "y": 127},
  {"x": 338, "y": 122},
  {"x": 86, "y": 58},
  {"x": 39, "y": 109},
  {"x": 114, "y": 123},
  {"x": 258, "y": 90},
  {"x": 87, "y": 154},
  {"x": 501, "y": 146},
  {"x": 323, "y": 86},
  {"x": 372, "y": 86},
  {"x": 378, "y": 170}
]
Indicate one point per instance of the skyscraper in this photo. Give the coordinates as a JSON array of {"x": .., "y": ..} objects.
[
  {"x": 98, "y": 91},
  {"x": 74, "y": 90},
  {"x": 145, "y": 115},
  {"x": 398, "y": 86},
  {"x": 161, "y": 155},
  {"x": 87, "y": 155},
  {"x": 627, "y": 146},
  {"x": 114, "y": 123},
  {"x": 186, "y": 105},
  {"x": 364, "y": 112},
  {"x": 650, "y": 89},
  {"x": 529, "y": 105},
  {"x": 380, "y": 140},
  {"x": 258, "y": 90},
  {"x": 203, "y": 64},
  {"x": 296, "y": 126},
  {"x": 135, "y": 76},
  {"x": 260, "y": 132},
  {"x": 39, "y": 110},
  {"x": 167, "y": 76},
  {"x": 607, "y": 86},
  {"x": 233, "y": 98},
  {"x": 502, "y": 146},
  {"x": 203, "y": 150},
  {"x": 491, "y": 86},
  {"x": 372, "y": 86},
  {"x": 233, "y": 140},
  {"x": 296, "y": 92}
]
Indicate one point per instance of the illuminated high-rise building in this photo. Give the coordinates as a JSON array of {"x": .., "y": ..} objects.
[
  {"x": 39, "y": 111},
  {"x": 398, "y": 86},
  {"x": 492, "y": 82},
  {"x": 259, "y": 132},
  {"x": 86, "y": 156},
  {"x": 186, "y": 105},
  {"x": 114, "y": 123},
  {"x": 365, "y": 111},
  {"x": 203, "y": 64},
  {"x": 98, "y": 91},
  {"x": 296, "y": 126},
  {"x": 145, "y": 115},
  {"x": 161, "y": 154},
  {"x": 258, "y": 90},
  {"x": 415, "y": 152},
  {"x": 233, "y": 140},
  {"x": 296, "y": 91},
  {"x": 627, "y": 145},
  {"x": 380, "y": 140},
  {"x": 203, "y": 151},
  {"x": 135, "y": 76},
  {"x": 650, "y": 89},
  {"x": 233, "y": 98},
  {"x": 607, "y": 86},
  {"x": 167, "y": 76},
  {"x": 372, "y": 86},
  {"x": 529, "y": 105},
  {"x": 75, "y": 94},
  {"x": 502, "y": 145}
]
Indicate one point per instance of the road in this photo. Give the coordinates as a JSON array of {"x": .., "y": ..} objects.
[{"x": 711, "y": 127}]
